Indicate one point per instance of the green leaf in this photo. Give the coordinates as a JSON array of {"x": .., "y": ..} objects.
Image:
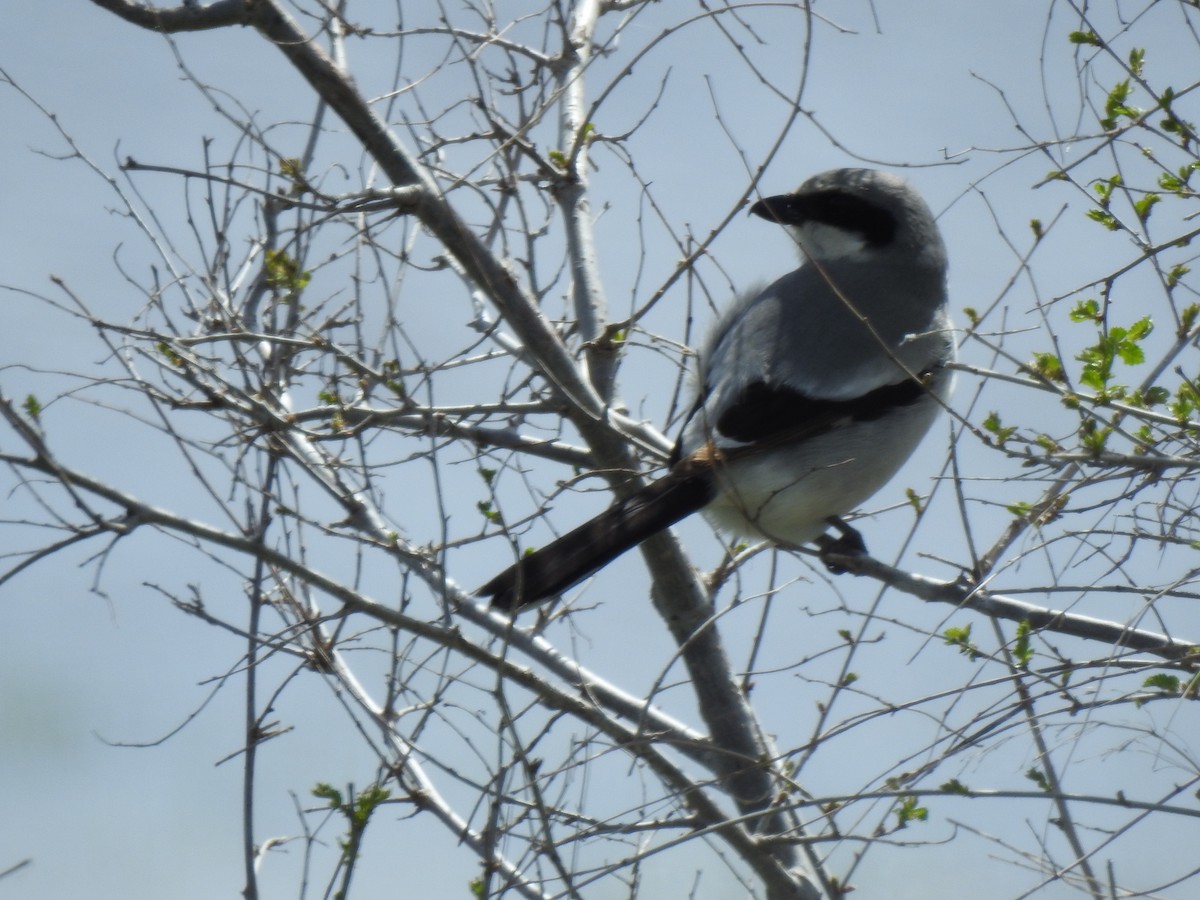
[
  {"x": 1001, "y": 432},
  {"x": 1086, "y": 311},
  {"x": 1115, "y": 106},
  {"x": 32, "y": 408},
  {"x": 1141, "y": 329},
  {"x": 1167, "y": 683},
  {"x": 1089, "y": 38},
  {"x": 488, "y": 475},
  {"x": 291, "y": 167},
  {"x": 1173, "y": 278},
  {"x": 910, "y": 810},
  {"x": 1143, "y": 207},
  {"x": 1047, "y": 443},
  {"x": 1020, "y": 509},
  {"x": 367, "y": 802},
  {"x": 172, "y": 357},
  {"x": 1118, "y": 344},
  {"x": 1105, "y": 218},
  {"x": 1038, "y": 777},
  {"x": 961, "y": 638},
  {"x": 328, "y": 792},
  {"x": 1154, "y": 396},
  {"x": 1022, "y": 651},
  {"x": 1131, "y": 354},
  {"x": 1137, "y": 57},
  {"x": 1167, "y": 181},
  {"x": 1093, "y": 436},
  {"x": 489, "y": 513},
  {"x": 1048, "y": 366},
  {"x": 283, "y": 273},
  {"x": 954, "y": 786}
]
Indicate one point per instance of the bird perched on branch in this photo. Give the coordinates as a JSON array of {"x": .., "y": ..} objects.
[{"x": 813, "y": 391}]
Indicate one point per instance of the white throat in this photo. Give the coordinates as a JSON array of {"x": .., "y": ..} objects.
[{"x": 825, "y": 243}]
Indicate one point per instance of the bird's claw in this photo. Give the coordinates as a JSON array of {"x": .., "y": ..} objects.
[{"x": 848, "y": 543}]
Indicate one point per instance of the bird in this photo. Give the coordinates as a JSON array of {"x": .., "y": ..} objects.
[{"x": 811, "y": 393}]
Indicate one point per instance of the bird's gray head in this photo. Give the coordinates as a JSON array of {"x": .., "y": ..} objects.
[{"x": 857, "y": 214}]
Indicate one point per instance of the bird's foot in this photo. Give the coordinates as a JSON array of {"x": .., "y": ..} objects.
[{"x": 848, "y": 543}]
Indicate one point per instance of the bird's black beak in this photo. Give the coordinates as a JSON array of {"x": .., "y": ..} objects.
[{"x": 782, "y": 208}]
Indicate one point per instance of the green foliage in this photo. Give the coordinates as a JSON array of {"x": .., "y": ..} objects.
[
  {"x": 1116, "y": 107},
  {"x": 1047, "y": 443},
  {"x": 337, "y": 419},
  {"x": 1093, "y": 436},
  {"x": 1173, "y": 685},
  {"x": 284, "y": 274},
  {"x": 328, "y": 792},
  {"x": 1150, "y": 397},
  {"x": 1022, "y": 651},
  {"x": 1137, "y": 58},
  {"x": 391, "y": 372},
  {"x": 1115, "y": 344},
  {"x": 32, "y": 407},
  {"x": 357, "y": 812},
  {"x": 292, "y": 168},
  {"x": 1048, "y": 366},
  {"x": 1038, "y": 777},
  {"x": 1087, "y": 311},
  {"x": 1177, "y": 182},
  {"x": 1185, "y": 132},
  {"x": 1000, "y": 432},
  {"x": 1185, "y": 402},
  {"x": 961, "y": 638},
  {"x": 1088, "y": 38},
  {"x": 910, "y": 810},
  {"x": 1020, "y": 509},
  {"x": 1174, "y": 276},
  {"x": 1168, "y": 684},
  {"x": 954, "y": 786},
  {"x": 1105, "y": 218},
  {"x": 1143, "y": 206},
  {"x": 489, "y": 513},
  {"x": 169, "y": 352}
]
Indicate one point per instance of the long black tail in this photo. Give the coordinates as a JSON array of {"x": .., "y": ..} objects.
[{"x": 594, "y": 544}]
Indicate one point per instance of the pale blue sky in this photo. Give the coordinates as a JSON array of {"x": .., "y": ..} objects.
[{"x": 81, "y": 670}]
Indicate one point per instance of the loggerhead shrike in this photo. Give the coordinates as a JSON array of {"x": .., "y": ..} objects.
[{"x": 812, "y": 392}]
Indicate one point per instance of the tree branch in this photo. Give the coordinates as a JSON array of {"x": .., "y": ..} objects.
[{"x": 965, "y": 595}]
